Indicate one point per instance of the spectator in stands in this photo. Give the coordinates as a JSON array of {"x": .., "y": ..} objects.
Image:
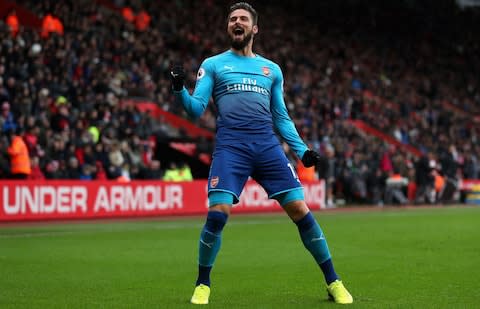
[
  {"x": 86, "y": 155},
  {"x": 116, "y": 160},
  {"x": 7, "y": 120},
  {"x": 424, "y": 179},
  {"x": 51, "y": 25},
  {"x": 122, "y": 174},
  {"x": 37, "y": 173},
  {"x": 184, "y": 172},
  {"x": 31, "y": 138},
  {"x": 396, "y": 188},
  {"x": 4, "y": 158},
  {"x": 471, "y": 165},
  {"x": 355, "y": 176},
  {"x": 376, "y": 183},
  {"x": 130, "y": 149},
  {"x": 154, "y": 172},
  {"x": 172, "y": 172},
  {"x": 20, "y": 167},
  {"x": 142, "y": 20},
  {"x": 13, "y": 23},
  {"x": 74, "y": 170},
  {"x": 60, "y": 119},
  {"x": 87, "y": 172},
  {"x": 329, "y": 175},
  {"x": 128, "y": 14},
  {"x": 412, "y": 186},
  {"x": 101, "y": 156},
  {"x": 100, "y": 173},
  {"x": 438, "y": 184},
  {"x": 57, "y": 149}
]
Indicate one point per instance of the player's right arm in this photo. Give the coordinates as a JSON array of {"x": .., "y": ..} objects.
[{"x": 196, "y": 103}]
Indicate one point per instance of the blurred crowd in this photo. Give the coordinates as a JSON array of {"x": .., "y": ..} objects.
[
  {"x": 62, "y": 91},
  {"x": 411, "y": 73}
]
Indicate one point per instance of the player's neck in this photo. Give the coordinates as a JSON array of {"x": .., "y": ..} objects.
[{"x": 244, "y": 52}]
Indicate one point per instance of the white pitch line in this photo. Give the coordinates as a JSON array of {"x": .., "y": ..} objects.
[{"x": 134, "y": 228}]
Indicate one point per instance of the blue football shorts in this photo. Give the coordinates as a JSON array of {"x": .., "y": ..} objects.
[{"x": 233, "y": 164}]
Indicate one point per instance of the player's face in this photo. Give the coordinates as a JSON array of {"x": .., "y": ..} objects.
[{"x": 241, "y": 28}]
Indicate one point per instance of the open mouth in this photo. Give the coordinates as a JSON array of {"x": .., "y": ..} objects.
[{"x": 238, "y": 31}]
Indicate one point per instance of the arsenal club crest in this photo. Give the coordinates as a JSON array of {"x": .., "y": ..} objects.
[
  {"x": 214, "y": 181},
  {"x": 266, "y": 71}
]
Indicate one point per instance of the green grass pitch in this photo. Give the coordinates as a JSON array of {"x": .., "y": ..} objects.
[{"x": 388, "y": 258}]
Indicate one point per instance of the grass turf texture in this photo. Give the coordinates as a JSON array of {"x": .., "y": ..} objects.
[{"x": 394, "y": 258}]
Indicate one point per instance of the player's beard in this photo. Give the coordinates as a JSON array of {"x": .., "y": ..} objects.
[{"x": 239, "y": 45}]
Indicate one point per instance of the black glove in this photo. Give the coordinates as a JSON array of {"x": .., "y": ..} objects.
[
  {"x": 311, "y": 158},
  {"x": 177, "y": 75}
]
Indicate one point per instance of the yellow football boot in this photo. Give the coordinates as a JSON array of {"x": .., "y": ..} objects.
[
  {"x": 338, "y": 293},
  {"x": 201, "y": 295}
]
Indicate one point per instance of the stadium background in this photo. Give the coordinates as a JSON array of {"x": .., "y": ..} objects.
[
  {"x": 388, "y": 92},
  {"x": 373, "y": 83}
]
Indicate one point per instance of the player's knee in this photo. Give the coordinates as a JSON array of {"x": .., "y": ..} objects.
[
  {"x": 293, "y": 202},
  {"x": 216, "y": 220},
  {"x": 296, "y": 210},
  {"x": 225, "y": 208}
]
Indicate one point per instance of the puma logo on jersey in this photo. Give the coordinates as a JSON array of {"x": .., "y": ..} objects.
[{"x": 228, "y": 67}]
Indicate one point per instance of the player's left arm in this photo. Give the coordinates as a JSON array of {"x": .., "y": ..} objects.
[{"x": 281, "y": 120}]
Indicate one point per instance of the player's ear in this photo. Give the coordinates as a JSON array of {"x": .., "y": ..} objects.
[{"x": 255, "y": 29}]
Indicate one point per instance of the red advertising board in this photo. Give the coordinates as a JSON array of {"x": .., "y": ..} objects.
[
  {"x": 46, "y": 200},
  {"x": 468, "y": 184}
]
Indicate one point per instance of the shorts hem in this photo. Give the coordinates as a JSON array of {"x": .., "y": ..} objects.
[
  {"x": 236, "y": 199},
  {"x": 284, "y": 191}
]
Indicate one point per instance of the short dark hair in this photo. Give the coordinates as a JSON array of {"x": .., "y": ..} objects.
[{"x": 247, "y": 7}]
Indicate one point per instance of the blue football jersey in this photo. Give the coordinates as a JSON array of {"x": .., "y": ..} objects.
[{"x": 248, "y": 93}]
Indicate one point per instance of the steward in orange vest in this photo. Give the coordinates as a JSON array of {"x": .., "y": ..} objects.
[
  {"x": 142, "y": 21},
  {"x": 19, "y": 158},
  {"x": 305, "y": 173},
  {"x": 13, "y": 23},
  {"x": 128, "y": 14},
  {"x": 51, "y": 24}
]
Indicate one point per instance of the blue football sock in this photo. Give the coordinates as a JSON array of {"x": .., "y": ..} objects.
[
  {"x": 209, "y": 245},
  {"x": 315, "y": 242},
  {"x": 328, "y": 271},
  {"x": 203, "y": 275}
]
